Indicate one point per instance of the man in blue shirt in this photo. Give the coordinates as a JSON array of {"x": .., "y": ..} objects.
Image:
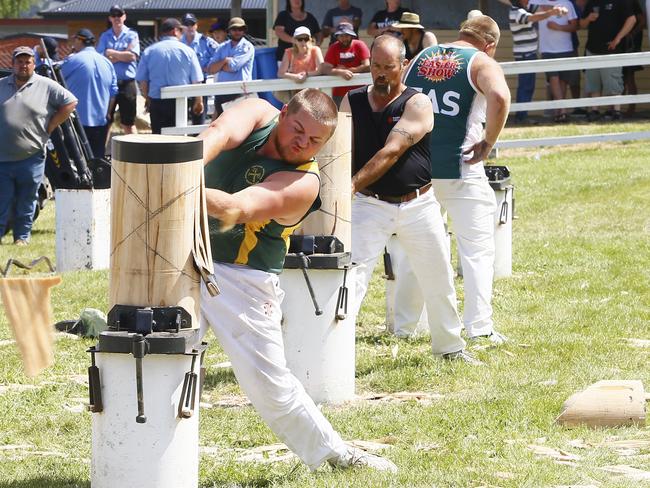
[
  {"x": 204, "y": 47},
  {"x": 168, "y": 62},
  {"x": 92, "y": 79},
  {"x": 233, "y": 60},
  {"x": 121, "y": 46}
]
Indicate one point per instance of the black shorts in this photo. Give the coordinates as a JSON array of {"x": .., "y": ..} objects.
[
  {"x": 569, "y": 77},
  {"x": 126, "y": 99}
]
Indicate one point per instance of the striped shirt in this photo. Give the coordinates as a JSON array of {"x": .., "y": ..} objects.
[{"x": 524, "y": 33}]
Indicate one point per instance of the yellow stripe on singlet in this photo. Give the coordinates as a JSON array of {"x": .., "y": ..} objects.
[{"x": 250, "y": 240}]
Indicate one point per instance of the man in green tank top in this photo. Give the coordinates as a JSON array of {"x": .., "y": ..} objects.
[
  {"x": 467, "y": 89},
  {"x": 261, "y": 181}
]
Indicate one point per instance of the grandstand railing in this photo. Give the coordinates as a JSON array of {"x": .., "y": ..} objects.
[{"x": 182, "y": 93}]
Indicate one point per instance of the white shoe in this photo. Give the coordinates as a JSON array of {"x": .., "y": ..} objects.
[
  {"x": 358, "y": 458},
  {"x": 463, "y": 356},
  {"x": 494, "y": 337}
]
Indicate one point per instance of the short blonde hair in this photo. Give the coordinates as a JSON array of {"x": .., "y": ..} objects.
[
  {"x": 482, "y": 28},
  {"x": 317, "y": 104}
]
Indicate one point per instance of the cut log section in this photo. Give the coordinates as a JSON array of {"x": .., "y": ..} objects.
[{"x": 607, "y": 403}]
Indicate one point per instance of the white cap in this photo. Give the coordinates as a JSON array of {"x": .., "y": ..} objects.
[{"x": 302, "y": 31}]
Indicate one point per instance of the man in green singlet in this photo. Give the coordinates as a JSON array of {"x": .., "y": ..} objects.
[{"x": 262, "y": 180}]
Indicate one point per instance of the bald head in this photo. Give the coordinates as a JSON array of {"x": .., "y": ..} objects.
[
  {"x": 390, "y": 45},
  {"x": 480, "y": 29}
]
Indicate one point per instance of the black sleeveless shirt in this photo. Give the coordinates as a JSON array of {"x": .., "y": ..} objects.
[
  {"x": 371, "y": 129},
  {"x": 410, "y": 55}
]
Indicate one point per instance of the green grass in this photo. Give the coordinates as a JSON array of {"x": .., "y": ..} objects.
[{"x": 580, "y": 287}]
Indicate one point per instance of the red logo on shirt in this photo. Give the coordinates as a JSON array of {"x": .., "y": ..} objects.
[{"x": 439, "y": 66}]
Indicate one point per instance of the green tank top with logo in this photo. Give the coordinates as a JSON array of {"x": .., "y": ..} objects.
[
  {"x": 260, "y": 245},
  {"x": 443, "y": 74}
]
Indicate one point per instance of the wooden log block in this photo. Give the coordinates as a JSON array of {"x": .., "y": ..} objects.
[
  {"x": 607, "y": 403},
  {"x": 335, "y": 165},
  {"x": 156, "y": 222}
]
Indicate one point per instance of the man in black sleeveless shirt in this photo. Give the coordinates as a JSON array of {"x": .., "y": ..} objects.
[{"x": 392, "y": 188}]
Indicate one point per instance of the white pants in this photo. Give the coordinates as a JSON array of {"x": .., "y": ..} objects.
[
  {"x": 246, "y": 317},
  {"x": 421, "y": 232},
  {"x": 471, "y": 205}
]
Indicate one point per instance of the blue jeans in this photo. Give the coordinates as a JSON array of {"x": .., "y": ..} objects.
[
  {"x": 525, "y": 85},
  {"x": 19, "y": 182}
]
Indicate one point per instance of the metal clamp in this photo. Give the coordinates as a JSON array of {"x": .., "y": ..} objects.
[
  {"x": 94, "y": 385},
  {"x": 139, "y": 351},
  {"x": 304, "y": 264},
  {"x": 342, "y": 299}
]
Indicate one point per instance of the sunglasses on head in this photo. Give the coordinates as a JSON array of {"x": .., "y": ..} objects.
[{"x": 302, "y": 39}]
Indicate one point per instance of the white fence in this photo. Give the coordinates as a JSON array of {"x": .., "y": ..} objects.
[{"x": 183, "y": 92}]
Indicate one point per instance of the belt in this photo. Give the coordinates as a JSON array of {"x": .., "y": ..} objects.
[{"x": 407, "y": 197}]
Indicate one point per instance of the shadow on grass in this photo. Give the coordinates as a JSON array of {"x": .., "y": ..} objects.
[{"x": 42, "y": 482}]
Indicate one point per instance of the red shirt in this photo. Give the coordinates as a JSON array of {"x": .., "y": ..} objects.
[{"x": 351, "y": 57}]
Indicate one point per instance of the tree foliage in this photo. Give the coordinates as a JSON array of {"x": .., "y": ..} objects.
[{"x": 13, "y": 8}]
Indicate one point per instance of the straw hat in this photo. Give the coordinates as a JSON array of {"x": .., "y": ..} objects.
[{"x": 409, "y": 20}]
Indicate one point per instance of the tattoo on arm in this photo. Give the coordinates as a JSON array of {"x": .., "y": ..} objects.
[{"x": 404, "y": 133}]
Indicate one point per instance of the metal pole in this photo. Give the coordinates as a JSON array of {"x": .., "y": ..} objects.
[
  {"x": 271, "y": 13},
  {"x": 235, "y": 8}
]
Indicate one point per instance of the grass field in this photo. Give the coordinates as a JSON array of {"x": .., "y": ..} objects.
[{"x": 580, "y": 290}]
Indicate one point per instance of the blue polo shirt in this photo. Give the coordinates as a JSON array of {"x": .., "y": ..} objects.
[
  {"x": 92, "y": 79},
  {"x": 168, "y": 62},
  {"x": 204, "y": 47},
  {"x": 128, "y": 40},
  {"x": 241, "y": 65}
]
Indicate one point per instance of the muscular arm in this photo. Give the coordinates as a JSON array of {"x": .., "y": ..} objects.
[
  {"x": 416, "y": 121},
  {"x": 60, "y": 115},
  {"x": 234, "y": 126},
  {"x": 487, "y": 75},
  {"x": 284, "y": 197}
]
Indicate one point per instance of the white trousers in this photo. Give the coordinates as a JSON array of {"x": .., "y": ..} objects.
[
  {"x": 421, "y": 232},
  {"x": 246, "y": 318},
  {"x": 471, "y": 205}
]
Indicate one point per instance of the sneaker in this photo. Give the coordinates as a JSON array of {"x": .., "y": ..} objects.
[
  {"x": 21, "y": 242},
  {"x": 494, "y": 337},
  {"x": 357, "y": 458},
  {"x": 462, "y": 355}
]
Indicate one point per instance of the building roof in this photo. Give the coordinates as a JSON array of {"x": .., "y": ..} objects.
[{"x": 101, "y": 7}]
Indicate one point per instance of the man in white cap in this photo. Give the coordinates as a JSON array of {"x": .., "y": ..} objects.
[
  {"x": 344, "y": 58},
  {"x": 233, "y": 60},
  {"x": 31, "y": 107}
]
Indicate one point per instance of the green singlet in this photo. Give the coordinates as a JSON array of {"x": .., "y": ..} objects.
[{"x": 260, "y": 245}]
